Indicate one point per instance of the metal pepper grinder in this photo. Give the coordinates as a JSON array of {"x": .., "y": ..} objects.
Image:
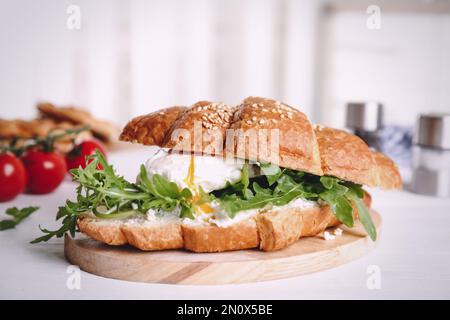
[
  {"x": 365, "y": 119},
  {"x": 431, "y": 155}
]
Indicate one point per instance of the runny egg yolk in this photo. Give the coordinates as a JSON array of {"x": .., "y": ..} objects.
[{"x": 189, "y": 180}]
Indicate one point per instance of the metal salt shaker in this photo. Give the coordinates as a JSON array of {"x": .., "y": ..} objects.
[
  {"x": 431, "y": 155},
  {"x": 365, "y": 119}
]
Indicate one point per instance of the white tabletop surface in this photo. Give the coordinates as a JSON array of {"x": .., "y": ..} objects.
[{"x": 413, "y": 256}]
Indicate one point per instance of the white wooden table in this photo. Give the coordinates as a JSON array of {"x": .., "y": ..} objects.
[{"x": 413, "y": 257}]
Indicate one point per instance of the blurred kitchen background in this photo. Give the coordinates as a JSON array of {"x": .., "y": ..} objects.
[{"x": 132, "y": 57}]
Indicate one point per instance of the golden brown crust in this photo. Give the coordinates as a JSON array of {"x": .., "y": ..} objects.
[
  {"x": 154, "y": 237},
  {"x": 211, "y": 238},
  {"x": 298, "y": 148},
  {"x": 152, "y": 128},
  {"x": 346, "y": 156},
  {"x": 104, "y": 130},
  {"x": 109, "y": 233},
  {"x": 144, "y": 236},
  {"x": 279, "y": 228},
  {"x": 225, "y": 130},
  {"x": 201, "y": 128},
  {"x": 388, "y": 174},
  {"x": 271, "y": 230}
]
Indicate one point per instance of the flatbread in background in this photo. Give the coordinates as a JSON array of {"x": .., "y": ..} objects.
[
  {"x": 103, "y": 130},
  {"x": 20, "y": 131},
  {"x": 11, "y": 129}
]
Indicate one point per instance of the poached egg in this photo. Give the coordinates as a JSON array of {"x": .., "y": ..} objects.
[
  {"x": 194, "y": 171},
  {"x": 208, "y": 173}
]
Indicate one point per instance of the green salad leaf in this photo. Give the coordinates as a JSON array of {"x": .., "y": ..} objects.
[
  {"x": 109, "y": 196},
  {"x": 279, "y": 186},
  {"x": 272, "y": 172},
  {"x": 17, "y": 216}
]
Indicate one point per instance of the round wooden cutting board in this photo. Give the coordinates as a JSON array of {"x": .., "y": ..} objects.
[{"x": 307, "y": 255}]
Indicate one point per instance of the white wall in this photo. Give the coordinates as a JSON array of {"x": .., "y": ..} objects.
[
  {"x": 132, "y": 57},
  {"x": 41, "y": 59},
  {"x": 405, "y": 64}
]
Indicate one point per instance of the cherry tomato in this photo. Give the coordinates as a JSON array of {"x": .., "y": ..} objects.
[
  {"x": 13, "y": 177},
  {"x": 46, "y": 170},
  {"x": 77, "y": 157}
]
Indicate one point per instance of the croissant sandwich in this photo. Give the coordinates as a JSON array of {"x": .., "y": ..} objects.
[{"x": 256, "y": 175}]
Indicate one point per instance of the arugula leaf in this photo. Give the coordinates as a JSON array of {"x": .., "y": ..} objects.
[
  {"x": 272, "y": 172},
  {"x": 186, "y": 212},
  {"x": 260, "y": 190},
  {"x": 18, "y": 215},
  {"x": 365, "y": 218},
  {"x": 355, "y": 190},
  {"x": 286, "y": 183},
  {"x": 328, "y": 182},
  {"x": 245, "y": 181},
  {"x": 279, "y": 186},
  {"x": 282, "y": 194},
  {"x": 164, "y": 188},
  {"x": 339, "y": 195},
  {"x": 69, "y": 225},
  {"x": 109, "y": 196},
  {"x": 7, "y": 224},
  {"x": 204, "y": 197},
  {"x": 335, "y": 196},
  {"x": 340, "y": 206}
]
